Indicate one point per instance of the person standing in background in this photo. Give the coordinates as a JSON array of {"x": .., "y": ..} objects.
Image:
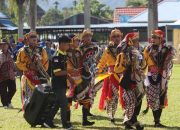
[
  {"x": 50, "y": 52},
  {"x": 7, "y": 75}
]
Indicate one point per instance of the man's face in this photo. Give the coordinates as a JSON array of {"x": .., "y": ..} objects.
[
  {"x": 76, "y": 43},
  {"x": 156, "y": 40},
  {"x": 33, "y": 40},
  {"x": 135, "y": 42},
  {"x": 87, "y": 39},
  {"x": 5, "y": 47},
  {"x": 64, "y": 46},
  {"x": 116, "y": 39},
  {"x": 48, "y": 44}
]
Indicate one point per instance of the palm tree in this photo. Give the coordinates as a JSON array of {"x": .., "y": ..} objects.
[
  {"x": 152, "y": 16},
  {"x": 19, "y": 12},
  {"x": 20, "y": 17},
  {"x": 2, "y": 5},
  {"x": 32, "y": 14},
  {"x": 15, "y": 7},
  {"x": 87, "y": 13}
]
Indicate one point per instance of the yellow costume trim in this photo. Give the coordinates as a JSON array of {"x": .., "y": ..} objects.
[
  {"x": 101, "y": 77},
  {"x": 56, "y": 70},
  {"x": 61, "y": 52}
]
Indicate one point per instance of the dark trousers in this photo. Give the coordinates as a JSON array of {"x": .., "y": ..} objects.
[
  {"x": 62, "y": 103},
  {"x": 136, "y": 113},
  {"x": 7, "y": 91},
  {"x": 49, "y": 68}
]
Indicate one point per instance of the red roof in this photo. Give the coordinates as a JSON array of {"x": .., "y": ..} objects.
[{"x": 130, "y": 11}]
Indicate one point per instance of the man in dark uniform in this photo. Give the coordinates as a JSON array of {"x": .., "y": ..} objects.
[{"x": 59, "y": 79}]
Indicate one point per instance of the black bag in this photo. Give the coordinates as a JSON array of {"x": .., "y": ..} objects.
[
  {"x": 126, "y": 79},
  {"x": 41, "y": 103}
]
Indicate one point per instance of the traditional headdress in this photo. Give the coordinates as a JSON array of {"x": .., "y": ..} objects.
[
  {"x": 130, "y": 37},
  {"x": 115, "y": 32},
  {"x": 86, "y": 32}
]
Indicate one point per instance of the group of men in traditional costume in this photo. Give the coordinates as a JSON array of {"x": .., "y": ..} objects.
[{"x": 75, "y": 67}]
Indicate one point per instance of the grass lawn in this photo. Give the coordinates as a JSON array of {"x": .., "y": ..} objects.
[{"x": 12, "y": 120}]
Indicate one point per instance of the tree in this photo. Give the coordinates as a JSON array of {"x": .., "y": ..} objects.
[
  {"x": 52, "y": 16},
  {"x": 87, "y": 13},
  {"x": 16, "y": 10},
  {"x": 67, "y": 12},
  {"x": 97, "y": 9},
  {"x": 136, "y": 3},
  {"x": 2, "y": 6},
  {"x": 20, "y": 17},
  {"x": 32, "y": 14},
  {"x": 152, "y": 16}
]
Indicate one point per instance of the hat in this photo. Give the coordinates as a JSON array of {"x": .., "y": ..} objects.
[
  {"x": 158, "y": 33},
  {"x": 4, "y": 41},
  {"x": 64, "y": 39},
  {"x": 130, "y": 37},
  {"x": 32, "y": 34},
  {"x": 115, "y": 32},
  {"x": 87, "y": 32}
]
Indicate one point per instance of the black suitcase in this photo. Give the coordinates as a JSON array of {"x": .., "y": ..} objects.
[{"x": 41, "y": 103}]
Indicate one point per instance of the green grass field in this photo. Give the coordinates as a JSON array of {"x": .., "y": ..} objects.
[{"x": 12, "y": 120}]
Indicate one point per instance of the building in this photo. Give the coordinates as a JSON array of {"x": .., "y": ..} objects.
[
  {"x": 5, "y": 22},
  {"x": 175, "y": 27},
  {"x": 167, "y": 13},
  {"x": 78, "y": 19},
  {"x": 123, "y": 14}
]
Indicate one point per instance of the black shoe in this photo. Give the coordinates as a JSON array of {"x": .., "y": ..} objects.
[
  {"x": 87, "y": 123},
  {"x": 139, "y": 127},
  {"x": 49, "y": 125},
  {"x": 128, "y": 127},
  {"x": 159, "y": 125},
  {"x": 113, "y": 121},
  {"x": 68, "y": 126}
]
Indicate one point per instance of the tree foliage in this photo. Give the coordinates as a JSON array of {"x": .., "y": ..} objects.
[
  {"x": 136, "y": 3},
  {"x": 52, "y": 16},
  {"x": 97, "y": 9}
]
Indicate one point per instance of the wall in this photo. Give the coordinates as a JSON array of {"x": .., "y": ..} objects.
[{"x": 176, "y": 44}]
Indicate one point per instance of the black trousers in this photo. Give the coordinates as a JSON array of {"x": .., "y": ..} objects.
[
  {"x": 7, "y": 91},
  {"x": 136, "y": 113},
  {"x": 62, "y": 103},
  {"x": 49, "y": 68}
]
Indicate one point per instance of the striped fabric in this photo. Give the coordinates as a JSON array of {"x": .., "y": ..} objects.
[
  {"x": 153, "y": 96},
  {"x": 129, "y": 98},
  {"x": 112, "y": 104}
]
